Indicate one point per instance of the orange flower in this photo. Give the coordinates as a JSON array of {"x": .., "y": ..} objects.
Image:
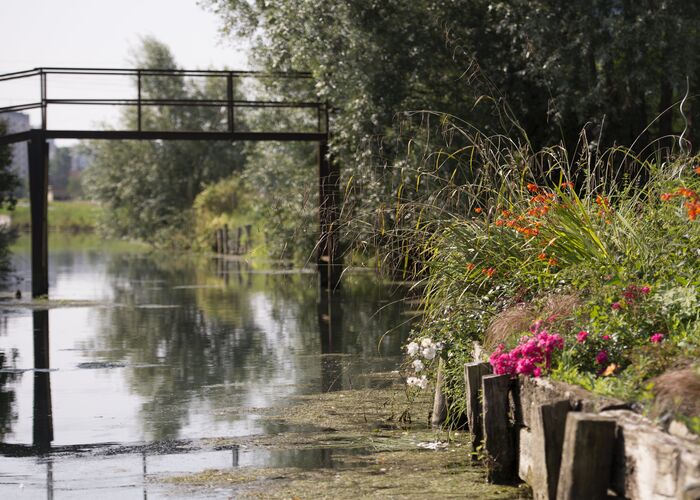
[
  {"x": 499, "y": 222},
  {"x": 532, "y": 187},
  {"x": 489, "y": 271},
  {"x": 666, "y": 196},
  {"x": 542, "y": 256},
  {"x": 552, "y": 262},
  {"x": 697, "y": 170},
  {"x": 567, "y": 185},
  {"x": 603, "y": 202},
  {"x": 477, "y": 210},
  {"x": 470, "y": 266}
]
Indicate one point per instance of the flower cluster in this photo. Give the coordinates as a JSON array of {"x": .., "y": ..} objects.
[
  {"x": 691, "y": 203},
  {"x": 530, "y": 356},
  {"x": 426, "y": 349}
]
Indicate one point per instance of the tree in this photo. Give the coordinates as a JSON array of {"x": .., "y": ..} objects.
[
  {"x": 148, "y": 187},
  {"x": 538, "y": 72},
  {"x": 9, "y": 182}
]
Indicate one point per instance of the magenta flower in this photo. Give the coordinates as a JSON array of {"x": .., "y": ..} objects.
[
  {"x": 616, "y": 306},
  {"x": 581, "y": 336},
  {"x": 657, "y": 338},
  {"x": 645, "y": 290},
  {"x": 606, "y": 337},
  {"x": 601, "y": 357}
]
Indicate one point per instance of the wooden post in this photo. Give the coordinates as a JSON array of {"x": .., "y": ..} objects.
[
  {"x": 219, "y": 244},
  {"x": 587, "y": 455},
  {"x": 225, "y": 239},
  {"x": 239, "y": 239},
  {"x": 248, "y": 237},
  {"x": 546, "y": 448},
  {"x": 440, "y": 403},
  {"x": 499, "y": 442},
  {"x": 38, "y": 152},
  {"x": 473, "y": 373}
]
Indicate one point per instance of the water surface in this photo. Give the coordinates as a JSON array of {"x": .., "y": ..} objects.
[{"x": 167, "y": 348}]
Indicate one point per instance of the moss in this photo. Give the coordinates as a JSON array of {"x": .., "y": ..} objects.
[{"x": 374, "y": 438}]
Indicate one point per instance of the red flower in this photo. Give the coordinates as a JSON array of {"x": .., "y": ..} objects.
[
  {"x": 657, "y": 338},
  {"x": 601, "y": 358}
]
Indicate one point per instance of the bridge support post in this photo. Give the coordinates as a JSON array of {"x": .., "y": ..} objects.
[
  {"x": 329, "y": 263},
  {"x": 38, "y": 201}
]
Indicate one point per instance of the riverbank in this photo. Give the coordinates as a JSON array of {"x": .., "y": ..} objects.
[{"x": 66, "y": 216}]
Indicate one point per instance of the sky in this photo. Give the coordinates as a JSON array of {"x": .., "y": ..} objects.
[{"x": 101, "y": 33}]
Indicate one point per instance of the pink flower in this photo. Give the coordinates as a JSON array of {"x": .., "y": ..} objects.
[
  {"x": 645, "y": 290},
  {"x": 616, "y": 306},
  {"x": 657, "y": 338},
  {"x": 601, "y": 357},
  {"x": 581, "y": 337},
  {"x": 537, "y": 372},
  {"x": 535, "y": 327},
  {"x": 606, "y": 337}
]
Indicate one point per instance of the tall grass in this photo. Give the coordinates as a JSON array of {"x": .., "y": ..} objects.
[{"x": 484, "y": 223}]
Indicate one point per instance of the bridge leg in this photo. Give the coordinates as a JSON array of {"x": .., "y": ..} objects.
[
  {"x": 329, "y": 264},
  {"x": 38, "y": 201}
]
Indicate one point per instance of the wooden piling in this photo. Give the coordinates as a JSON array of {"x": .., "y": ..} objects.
[
  {"x": 547, "y": 442},
  {"x": 473, "y": 372},
  {"x": 218, "y": 241},
  {"x": 587, "y": 456},
  {"x": 226, "y": 249},
  {"x": 499, "y": 439},
  {"x": 439, "y": 414}
]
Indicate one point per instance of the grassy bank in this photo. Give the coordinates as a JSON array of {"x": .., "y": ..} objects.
[{"x": 69, "y": 216}]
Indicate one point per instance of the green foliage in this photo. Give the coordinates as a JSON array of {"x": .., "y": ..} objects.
[
  {"x": 8, "y": 179},
  {"x": 9, "y": 183},
  {"x": 148, "y": 187}
]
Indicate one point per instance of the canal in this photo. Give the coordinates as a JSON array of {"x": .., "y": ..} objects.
[{"x": 139, "y": 360}]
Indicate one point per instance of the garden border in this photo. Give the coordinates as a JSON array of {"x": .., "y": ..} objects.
[{"x": 569, "y": 443}]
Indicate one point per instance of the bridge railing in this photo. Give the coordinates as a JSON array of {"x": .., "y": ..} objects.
[{"x": 219, "y": 98}]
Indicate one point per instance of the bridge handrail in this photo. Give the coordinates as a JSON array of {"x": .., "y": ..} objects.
[{"x": 229, "y": 102}]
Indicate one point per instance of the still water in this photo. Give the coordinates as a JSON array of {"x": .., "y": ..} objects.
[{"x": 144, "y": 354}]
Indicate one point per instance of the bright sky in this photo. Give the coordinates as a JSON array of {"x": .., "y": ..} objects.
[{"x": 101, "y": 33}]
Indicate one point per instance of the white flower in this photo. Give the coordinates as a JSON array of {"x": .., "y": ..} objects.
[
  {"x": 412, "y": 349},
  {"x": 421, "y": 382},
  {"x": 426, "y": 342},
  {"x": 429, "y": 352},
  {"x": 418, "y": 365}
]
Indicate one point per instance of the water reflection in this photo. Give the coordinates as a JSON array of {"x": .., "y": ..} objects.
[
  {"x": 42, "y": 434},
  {"x": 184, "y": 349}
]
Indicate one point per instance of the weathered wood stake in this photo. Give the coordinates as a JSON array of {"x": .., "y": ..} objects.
[
  {"x": 440, "y": 403},
  {"x": 218, "y": 241},
  {"x": 547, "y": 442},
  {"x": 499, "y": 439},
  {"x": 226, "y": 249},
  {"x": 473, "y": 372},
  {"x": 587, "y": 455}
]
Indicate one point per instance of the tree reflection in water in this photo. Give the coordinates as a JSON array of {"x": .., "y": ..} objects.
[{"x": 222, "y": 336}]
